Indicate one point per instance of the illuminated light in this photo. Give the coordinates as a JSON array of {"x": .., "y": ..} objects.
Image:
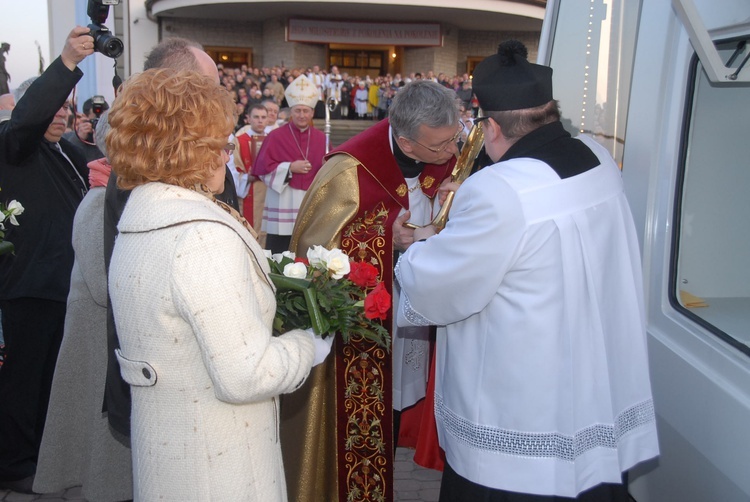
[{"x": 393, "y": 55}]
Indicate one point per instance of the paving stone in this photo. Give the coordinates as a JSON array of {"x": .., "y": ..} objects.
[
  {"x": 429, "y": 495},
  {"x": 71, "y": 493},
  {"x": 19, "y": 497},
  {"x": 404, "y": 466},
  {"x": 412, "y": 483},
  {"x": 408, "y": 497},
  {"x": 402, "y": 474},
  {"x": 406, "y": 485},
  {"x": 55, "y": 497},
  {"x": 427, "y": 474}
]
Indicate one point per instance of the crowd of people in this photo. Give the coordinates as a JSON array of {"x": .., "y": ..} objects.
[
  {"x": 357, "y": 97},
  {"x": 138, "y": 310}
]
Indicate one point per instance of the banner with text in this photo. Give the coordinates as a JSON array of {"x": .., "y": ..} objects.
[{"x": 338, "y": 32}]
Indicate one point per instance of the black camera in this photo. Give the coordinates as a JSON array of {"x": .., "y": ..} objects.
[
  {"x": 98, "y": 105},
  {"x": 104, "y": 41}
]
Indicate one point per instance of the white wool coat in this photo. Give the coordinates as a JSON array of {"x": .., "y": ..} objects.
[{"x": 194, "y": 309}]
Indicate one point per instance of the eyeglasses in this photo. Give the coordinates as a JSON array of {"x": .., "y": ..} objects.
[
  {"x": 446, "y": 144},
  {"x": 229, "y": 148}
]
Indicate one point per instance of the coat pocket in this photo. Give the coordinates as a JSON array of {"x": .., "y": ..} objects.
[{"x": 136, "y": 373}]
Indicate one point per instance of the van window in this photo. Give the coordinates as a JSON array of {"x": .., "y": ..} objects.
[
  {"x": 592, "y": 61},
  {"x": 710, "y": 273}
]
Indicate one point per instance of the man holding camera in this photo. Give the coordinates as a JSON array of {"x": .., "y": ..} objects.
[
  {"x": 49, "y": 177},
  {"x": 83, "y": 137}
]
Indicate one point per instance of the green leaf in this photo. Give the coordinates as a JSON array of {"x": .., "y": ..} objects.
[{"x": 6, "y": 247}]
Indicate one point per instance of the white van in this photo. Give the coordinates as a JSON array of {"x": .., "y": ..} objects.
[{"x": 664, "y": 85}]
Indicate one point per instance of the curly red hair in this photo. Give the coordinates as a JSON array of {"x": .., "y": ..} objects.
[{"x": 170, "y": 126}]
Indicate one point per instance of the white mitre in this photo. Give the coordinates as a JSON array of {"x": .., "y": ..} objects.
[{"x": 301, "y": 92}]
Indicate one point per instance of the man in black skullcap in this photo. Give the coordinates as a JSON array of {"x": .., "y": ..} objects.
[{"x": 542, "y": 387}]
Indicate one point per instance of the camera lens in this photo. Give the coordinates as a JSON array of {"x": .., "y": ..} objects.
[
  {"x": 108, "y": 45},
  {"x": 105, "y": 42}
]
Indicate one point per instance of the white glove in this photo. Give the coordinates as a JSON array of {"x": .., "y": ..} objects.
[{"x": 322, "y": 346}]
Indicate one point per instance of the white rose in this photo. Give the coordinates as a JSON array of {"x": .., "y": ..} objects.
[
  {"x": 278, "y": 257},
  {"x": 268, "y": 254},
  {"x": 296, "y": 270},
  {"x": 317, "y": 255},
  {"x": 14, "y": 209},
  {"x": 338, "y": 263}
]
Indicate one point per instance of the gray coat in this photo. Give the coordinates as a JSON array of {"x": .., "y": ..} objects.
[{"x": 77, "y": 447}]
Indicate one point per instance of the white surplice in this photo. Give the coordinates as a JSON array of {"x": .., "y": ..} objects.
[
  {"x": 411, "y": 344},
  {"x": 542, "y": 379}
]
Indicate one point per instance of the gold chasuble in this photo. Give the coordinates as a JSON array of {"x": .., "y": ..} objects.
[{"x": 337, "y": 429}]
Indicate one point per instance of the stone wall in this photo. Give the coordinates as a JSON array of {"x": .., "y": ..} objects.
[
  {"x": 269, "y": 47},
  {"x": 275, "y": 49},
  {"x": 437, "y": 59},
  {"x": 219, "y": 33},
  {"x": 484, "y": 43},
  {"x": 307, "y": 55}
]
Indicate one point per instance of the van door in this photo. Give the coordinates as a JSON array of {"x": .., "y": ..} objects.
[{"x": 627, "y": 73}]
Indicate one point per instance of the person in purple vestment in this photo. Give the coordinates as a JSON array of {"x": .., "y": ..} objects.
[{"x": 287, "y": 163}]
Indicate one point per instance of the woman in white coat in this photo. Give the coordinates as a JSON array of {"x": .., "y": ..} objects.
[{"x": 193, "y": 303}]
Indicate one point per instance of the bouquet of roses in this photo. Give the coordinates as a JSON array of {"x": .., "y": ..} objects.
[
  {"x": 329, "y": 293},
  {"x": 9, "y": 214}
]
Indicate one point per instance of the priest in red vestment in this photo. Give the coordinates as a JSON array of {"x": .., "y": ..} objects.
[
  {"x": 248, "y": 141},
  {"x": 337, "y": 430}
]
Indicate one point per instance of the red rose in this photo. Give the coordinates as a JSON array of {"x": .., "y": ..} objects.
[
  {"x": 377, "y": 303},
  {"x": 302, "y": 260},
  {"x": 363, "y": 274}
]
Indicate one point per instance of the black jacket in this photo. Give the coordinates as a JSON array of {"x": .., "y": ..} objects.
[{"x": 38, "y": 176}]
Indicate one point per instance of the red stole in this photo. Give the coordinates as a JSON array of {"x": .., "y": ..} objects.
[
  {"x": 249, "y": 146},
  {"x": 365, "y": 441}
]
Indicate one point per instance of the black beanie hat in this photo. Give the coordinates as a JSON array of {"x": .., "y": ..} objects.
[{"x": 507, "y": 81}]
